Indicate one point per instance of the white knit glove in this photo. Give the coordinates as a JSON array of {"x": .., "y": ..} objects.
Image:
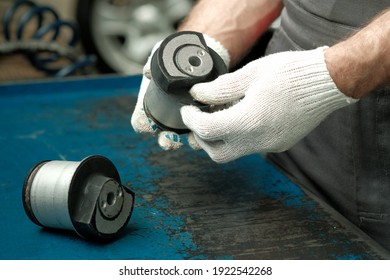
[
  {"x": 168, "y": 140},
  {"x": 279, "y": 99}
]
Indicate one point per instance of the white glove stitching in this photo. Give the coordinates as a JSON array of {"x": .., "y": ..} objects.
[{"x": 288, "y": 95}]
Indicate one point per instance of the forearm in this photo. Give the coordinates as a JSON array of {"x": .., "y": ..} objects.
[
  {"x": 237, "y": 24},
  {"x": 361, "y": 63}
]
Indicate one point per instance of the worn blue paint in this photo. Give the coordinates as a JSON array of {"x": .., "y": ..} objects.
[
  {"x": 64, "y": 120},
  {"x": 276, "y": 185},
  {"x": 45, "y": 123}
]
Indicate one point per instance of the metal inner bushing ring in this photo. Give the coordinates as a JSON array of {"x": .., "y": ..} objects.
[
  {"x": 111, "y": 199},
  {"x": 194, "y": 60}
]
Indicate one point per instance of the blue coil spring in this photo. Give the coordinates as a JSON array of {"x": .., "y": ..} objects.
[{"x": 43, "y": 61}]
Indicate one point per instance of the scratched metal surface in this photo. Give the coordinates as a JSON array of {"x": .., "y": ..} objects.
[{"x": 187, "y": 207}]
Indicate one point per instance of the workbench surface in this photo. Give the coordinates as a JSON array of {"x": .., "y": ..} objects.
[{"x": 187, "y": 207}]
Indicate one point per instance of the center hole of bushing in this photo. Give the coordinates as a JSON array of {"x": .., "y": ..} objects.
[
  {"x": 195, "y": 61},
  {"x": 111, "y": 198}
]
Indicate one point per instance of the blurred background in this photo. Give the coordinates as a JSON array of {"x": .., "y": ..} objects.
[{"x": 53, "y": 39}]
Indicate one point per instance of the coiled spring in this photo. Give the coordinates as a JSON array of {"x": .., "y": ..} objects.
[{"x": 42, "y": 47}]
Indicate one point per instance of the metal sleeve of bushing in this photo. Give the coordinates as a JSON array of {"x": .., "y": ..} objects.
[
  {"x": 85, "y": 196},
  {"x": 182, "y": 60}
]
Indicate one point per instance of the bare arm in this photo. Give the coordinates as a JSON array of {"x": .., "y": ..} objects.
[
  {"x": 361, "y": 63},
  {"x": 237, "y": 24}
]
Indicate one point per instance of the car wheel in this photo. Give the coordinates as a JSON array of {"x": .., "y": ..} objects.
[{"x": 122, "y": 33}]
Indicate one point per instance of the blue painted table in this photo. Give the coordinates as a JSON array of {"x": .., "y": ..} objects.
[{"x": 187, "y": 207}]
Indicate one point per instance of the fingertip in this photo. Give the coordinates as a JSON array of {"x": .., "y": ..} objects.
[
  {"x": 142, "y": 124},
  {"x": 169, "y": 140},
  {"x": 148, "y": 74},
  {"x": 201, "y": 92},
  {"x": 189, "y": 109},
  {"x": 192, "y": 142},
  {"x": 188, "y": 112},
  {"x": 190, "y": 115},
  {"x": 205, "y": 125},
  {"x": 214, "y": 149},
  {"x": 225, "y": 89}
]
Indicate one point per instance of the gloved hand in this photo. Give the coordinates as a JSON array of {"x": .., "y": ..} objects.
[
  {"x": 279, "y": 99},
  {"x": 168, "y": 140}
]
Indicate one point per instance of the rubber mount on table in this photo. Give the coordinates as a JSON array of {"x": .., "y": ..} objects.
[
  {"x": 182, "y": 60},
  {"x": 85, "y": 196}
]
